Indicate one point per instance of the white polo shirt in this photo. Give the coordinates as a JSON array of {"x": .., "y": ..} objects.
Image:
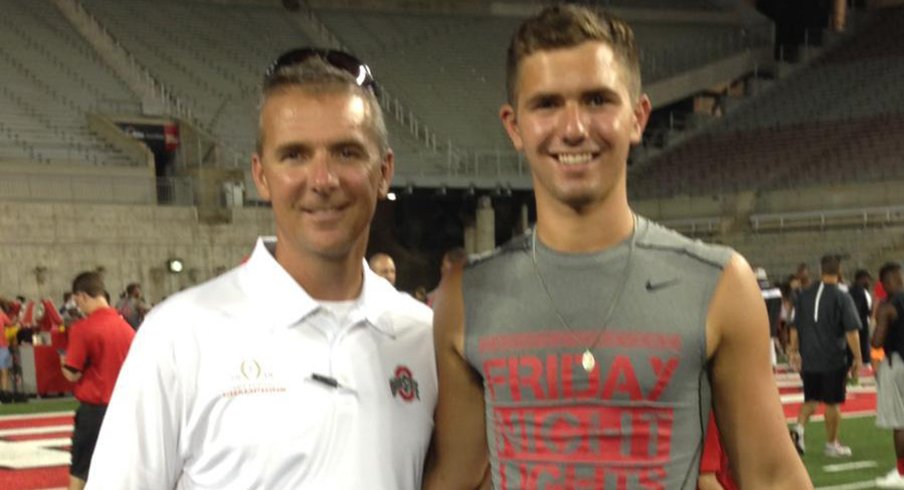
[{"x": 218, "y": 391}]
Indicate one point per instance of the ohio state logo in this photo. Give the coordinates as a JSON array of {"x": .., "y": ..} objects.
[{"x": 403, "y": 385}]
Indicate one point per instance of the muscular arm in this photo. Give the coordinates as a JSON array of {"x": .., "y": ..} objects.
[
  {"x": 460, "y": 448},
  {"x": 748, "y": 408},
  {"x": 885, "y": 316}
]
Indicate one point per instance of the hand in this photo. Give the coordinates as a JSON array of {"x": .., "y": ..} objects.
[{"x": 854, "y": 373}]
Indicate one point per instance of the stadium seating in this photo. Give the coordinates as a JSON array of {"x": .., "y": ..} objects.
[
  {"x": 450, "y": 68},
  {"x": 49, "y": 80},
  {"x": 837, "y": 121}
]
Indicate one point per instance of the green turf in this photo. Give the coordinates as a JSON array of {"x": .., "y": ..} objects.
[
  {"x": 867, "y": 442},
  {"x": 39, "y": 405}
]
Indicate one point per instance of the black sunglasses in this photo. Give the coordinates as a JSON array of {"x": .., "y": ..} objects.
[{"x": 337, "y": 59}]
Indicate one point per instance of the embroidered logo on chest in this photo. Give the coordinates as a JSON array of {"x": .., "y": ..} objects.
[
  {"x": 252, "y": 378},
  {"x": 403, "y": 385}
]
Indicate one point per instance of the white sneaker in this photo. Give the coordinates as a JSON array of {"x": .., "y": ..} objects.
[
  {"x": 892, "y": 480},
  {"x": 836, "y": 450},
  {"x": 797, "y": 437}
]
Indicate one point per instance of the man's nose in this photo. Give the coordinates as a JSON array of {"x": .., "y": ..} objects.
[
  {"x": 574, "y": 128},
  {"x": 323, "y": 175}
]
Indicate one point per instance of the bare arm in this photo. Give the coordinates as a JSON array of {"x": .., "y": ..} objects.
[
  {"x": 71, "y": 375},
  {"x": 885, "y": 316},
  {"x": 459, "y": 439},
  {"x": 853, "y": 341},
  {"x": 748, "y": 409},
  {"x": 794, "y": 349}
]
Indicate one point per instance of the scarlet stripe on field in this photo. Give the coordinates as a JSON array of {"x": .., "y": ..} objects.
[{"x": 36, "y": 422}]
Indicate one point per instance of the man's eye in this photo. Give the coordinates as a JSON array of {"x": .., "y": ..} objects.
[
  {"x": 546, "y": 103},
  {"x": 349, "y": 153},
  {"x": 291, "y": 155},
  {"x": 596, "y": 99}
]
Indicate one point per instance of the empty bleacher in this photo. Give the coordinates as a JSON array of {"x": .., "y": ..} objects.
[
  {"x": 49, "y": 79},
  {"x": 839, "y": 120},
  {"x": 213, "y": 57},
  {"x": 450, "y": 68}
]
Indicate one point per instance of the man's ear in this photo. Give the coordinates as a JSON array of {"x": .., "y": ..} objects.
[
  {"x": 387, "y": 169},
  {"x": 260, "y": 178},
  {"x": 510, "y": 122},
  {"x": 641, "y": 116}
]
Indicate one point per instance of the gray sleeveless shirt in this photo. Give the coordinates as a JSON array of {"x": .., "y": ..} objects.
[{"x": 637, "y": 419}]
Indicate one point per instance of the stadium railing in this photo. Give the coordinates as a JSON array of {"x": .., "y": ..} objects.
[{"x": 863, "y": 217}]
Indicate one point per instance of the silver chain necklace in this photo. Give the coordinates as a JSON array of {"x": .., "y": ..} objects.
[{"x": 587, "y": 359}]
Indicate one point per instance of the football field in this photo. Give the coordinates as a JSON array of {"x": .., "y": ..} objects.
[{"x": 34, "y": 441}]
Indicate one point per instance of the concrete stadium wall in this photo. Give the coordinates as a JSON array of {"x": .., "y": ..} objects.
[
  {"x": 43, "y": 246},
  {"x": 824, "y": 198}
]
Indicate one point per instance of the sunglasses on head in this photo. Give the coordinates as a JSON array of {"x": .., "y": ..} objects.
[{"x": 337, "y": 59}]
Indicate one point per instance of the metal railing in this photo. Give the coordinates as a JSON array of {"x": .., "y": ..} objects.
[{"x": 860, "y": 217}]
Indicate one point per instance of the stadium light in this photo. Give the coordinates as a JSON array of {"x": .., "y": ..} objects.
[{"x": 175, "y": 265}]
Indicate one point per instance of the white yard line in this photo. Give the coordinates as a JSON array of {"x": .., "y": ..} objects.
[
  {"x": 844, "y": 415},
  {"x": 859, "y": 485},
  {"x": 853, "y": 465},
  {"x": 29, "y": 431}
]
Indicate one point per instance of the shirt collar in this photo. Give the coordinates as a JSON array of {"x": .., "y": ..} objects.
[{"x": 284, "y": 303}]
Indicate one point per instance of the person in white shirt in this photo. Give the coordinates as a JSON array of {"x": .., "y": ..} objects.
[{"x": 300, "y": 369}]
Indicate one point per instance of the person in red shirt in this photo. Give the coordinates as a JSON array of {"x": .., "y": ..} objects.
[
  {"x": 6, "y": 359},
  {"x": 98, "y": 345},
  {"x": 715, "y": 473}
]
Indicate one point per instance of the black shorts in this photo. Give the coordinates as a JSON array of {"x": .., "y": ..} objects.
[
  {"x": 829, "y": 387},
  {"x": 84, "y": 437}
]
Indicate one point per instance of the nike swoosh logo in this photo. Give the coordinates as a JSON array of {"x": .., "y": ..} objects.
[{"x": 655, "y": 286}]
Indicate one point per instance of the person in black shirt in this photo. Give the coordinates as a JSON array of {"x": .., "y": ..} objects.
[
  {"x": 889, "y": 335},
  {"x": 825, "y": 320}
]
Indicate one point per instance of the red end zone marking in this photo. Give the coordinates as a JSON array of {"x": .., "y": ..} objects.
[
  {"x": 580, "y": 339},
  {"x": 36, "y": 422},
  {"x": 34, "y": 479}
]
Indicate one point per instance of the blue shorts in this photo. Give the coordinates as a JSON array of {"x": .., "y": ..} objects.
[{"x": 6, "y": 360}]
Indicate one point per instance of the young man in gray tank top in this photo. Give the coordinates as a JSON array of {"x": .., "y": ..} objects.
[{"x": 581, "y": 355}]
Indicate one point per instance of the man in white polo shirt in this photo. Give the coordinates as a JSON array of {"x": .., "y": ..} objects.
[{"x": 300, "y": 369}]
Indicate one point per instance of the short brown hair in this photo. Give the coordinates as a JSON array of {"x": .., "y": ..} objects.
[
  {"x": 566, "y": 26},
  {"x": 89, "y": 283},
  {"x": 830, "y": 265},
  {"x": 317, "y": 76}
]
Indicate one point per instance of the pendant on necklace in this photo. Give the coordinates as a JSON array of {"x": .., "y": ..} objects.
[{"x": 588, "y": 361}]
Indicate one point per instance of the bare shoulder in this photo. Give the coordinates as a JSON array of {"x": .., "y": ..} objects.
[
  {"x": 448, "y": 312},
  {"x": 736, "y": 306}
]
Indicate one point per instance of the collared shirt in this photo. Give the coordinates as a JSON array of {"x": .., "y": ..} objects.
[
  {"x": 236, "y": 384},
  {"x": 97, "y": 347}
]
